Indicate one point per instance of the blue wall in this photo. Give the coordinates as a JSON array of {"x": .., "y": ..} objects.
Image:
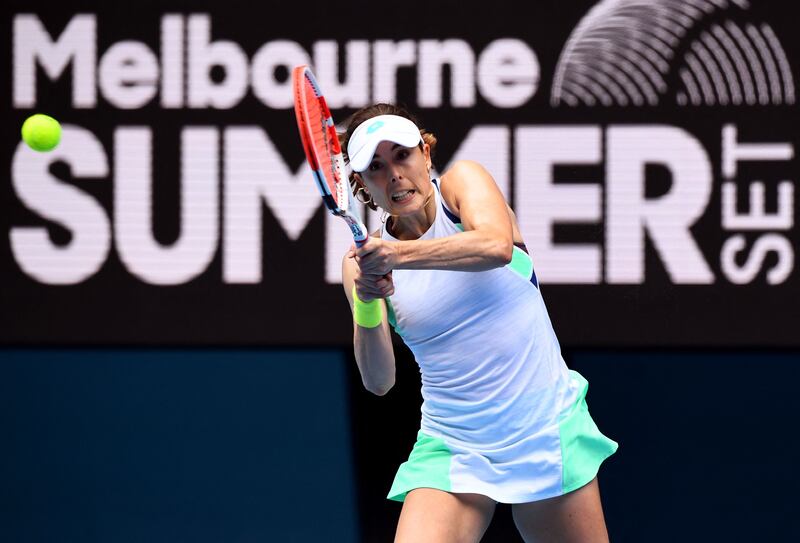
[
  {"x": 709, "y": 444},
  {"x": 233, "y": 446},
  {"x": 170, "y": 446}
]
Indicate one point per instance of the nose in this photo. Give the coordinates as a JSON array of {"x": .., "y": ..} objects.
[{"x": 394, "y": 175}]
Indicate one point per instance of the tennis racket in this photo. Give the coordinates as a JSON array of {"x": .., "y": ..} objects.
[{"x": 324, "y": 154}]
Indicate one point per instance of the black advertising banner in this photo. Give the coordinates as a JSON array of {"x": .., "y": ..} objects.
[{"x": 648, "y": 148}]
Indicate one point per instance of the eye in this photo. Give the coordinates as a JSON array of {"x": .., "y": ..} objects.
[
  {"x": 402, "y": 154},
  {"x": 374, "y": 166}
]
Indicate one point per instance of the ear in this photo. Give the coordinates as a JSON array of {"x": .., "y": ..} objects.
[{"x": 426, "y": 150}]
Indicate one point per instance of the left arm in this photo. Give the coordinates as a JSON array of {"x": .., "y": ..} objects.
[{"x": 487, "y": 240}]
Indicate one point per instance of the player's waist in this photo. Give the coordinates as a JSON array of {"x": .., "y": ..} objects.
[{"x": 496, "y": 423}]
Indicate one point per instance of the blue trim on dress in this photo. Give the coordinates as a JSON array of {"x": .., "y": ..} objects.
[
  {"x": 455, "y": 219},
  {"x": 533, "y": 271}
]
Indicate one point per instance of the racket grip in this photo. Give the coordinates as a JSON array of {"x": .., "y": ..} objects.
[
  {"x": 361, "y": 240},
  {"x": 385, "y": 276}
]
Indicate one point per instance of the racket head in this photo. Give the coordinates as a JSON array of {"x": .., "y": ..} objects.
[
  {"x": 323, "y": 150},
  {"x": 318, "y": 134}
]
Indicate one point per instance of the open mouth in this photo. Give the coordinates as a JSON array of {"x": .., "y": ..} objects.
[{"x": 402, "y": 196}]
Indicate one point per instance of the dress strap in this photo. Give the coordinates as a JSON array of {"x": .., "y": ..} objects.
[{"x": 455, "y": 219}]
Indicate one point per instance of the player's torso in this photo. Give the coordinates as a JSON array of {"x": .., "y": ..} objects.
[{"x": 479, "y": 337}]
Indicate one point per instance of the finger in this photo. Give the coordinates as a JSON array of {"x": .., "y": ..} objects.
[
  {"x": 368, "y": 286},
  {"x": 383, "y": 285},
  {"x": 369, "y": 266},
  {"x": 364, "y": 297},
  {"x": 365, "y": 292},
  {"x": 383, "y": 282},
  {"x": 368, "y": 295},
  {"x": 368, "y": 248}
]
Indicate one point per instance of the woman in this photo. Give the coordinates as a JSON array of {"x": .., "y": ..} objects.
[{"x": 503, "y": 418}]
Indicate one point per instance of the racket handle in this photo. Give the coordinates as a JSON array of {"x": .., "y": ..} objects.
[
  {"x": 360, "y": 243},
  {"x": 361, "y": 240}
]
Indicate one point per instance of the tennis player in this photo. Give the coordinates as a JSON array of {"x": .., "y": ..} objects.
[{"x": 503, "y": 418}]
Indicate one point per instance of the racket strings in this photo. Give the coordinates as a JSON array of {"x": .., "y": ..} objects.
[
  {"x": 321, "y": 142},
  {"x": 322, "y": 134}
]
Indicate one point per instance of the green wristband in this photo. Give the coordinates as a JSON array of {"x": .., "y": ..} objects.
[{"x": 366, "y": 314}]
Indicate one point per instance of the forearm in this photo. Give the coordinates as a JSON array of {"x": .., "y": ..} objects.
[
  {"x": 375, "y": 357},
  {"x": 472, "y": 250}
]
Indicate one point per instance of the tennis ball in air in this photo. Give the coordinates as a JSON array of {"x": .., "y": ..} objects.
[{"x": 41, "y": 132}]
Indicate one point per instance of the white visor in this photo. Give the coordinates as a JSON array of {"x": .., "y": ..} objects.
[{"x": 365, "y": 138}]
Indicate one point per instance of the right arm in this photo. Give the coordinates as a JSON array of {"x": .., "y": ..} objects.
[{"x": 372, "y": 346}]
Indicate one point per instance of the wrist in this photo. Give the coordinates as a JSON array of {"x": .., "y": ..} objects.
[
  {"x": 367, "y": 314},
  {"x": 399, "y": 248}
]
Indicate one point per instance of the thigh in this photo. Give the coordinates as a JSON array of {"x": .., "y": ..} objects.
[
  {"x": 435, "y": 516},
  {"x": 575, "y": 517}
]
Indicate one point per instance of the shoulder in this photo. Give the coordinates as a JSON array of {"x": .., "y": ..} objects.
[
  {"x": 460, "y": 177},
  {"x": 464, "y": 170}
]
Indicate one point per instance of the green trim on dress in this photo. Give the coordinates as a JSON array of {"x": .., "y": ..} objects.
[
  {"x": 428, "y": 466},
  {"x": 583, "y": 446}
]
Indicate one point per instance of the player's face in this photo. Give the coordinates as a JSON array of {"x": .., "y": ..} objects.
[{"x": 398, "y": 178}]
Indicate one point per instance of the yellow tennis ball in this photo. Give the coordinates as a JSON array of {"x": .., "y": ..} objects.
[{"x": 41, "y": 132}]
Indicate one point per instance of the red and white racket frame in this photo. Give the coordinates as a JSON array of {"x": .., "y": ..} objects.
[{"x": 343, "y": 204}]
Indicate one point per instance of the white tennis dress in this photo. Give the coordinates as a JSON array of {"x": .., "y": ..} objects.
[{"x": 502, "y": 414}]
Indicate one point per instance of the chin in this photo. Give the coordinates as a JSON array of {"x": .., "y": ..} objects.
[{"x": 409, "y": 208}]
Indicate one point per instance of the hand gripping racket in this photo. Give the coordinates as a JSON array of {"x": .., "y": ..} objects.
[{"x": 324, "y": 154}]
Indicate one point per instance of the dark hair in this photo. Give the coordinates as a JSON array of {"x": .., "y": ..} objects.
[{"x": 365, "y": 113}]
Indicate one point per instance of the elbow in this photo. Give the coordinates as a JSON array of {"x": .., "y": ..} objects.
[
  {"x": 379, "y": 389},
  {"x": 376, "y": 367},
  {"x": 503, "y": 251}
]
